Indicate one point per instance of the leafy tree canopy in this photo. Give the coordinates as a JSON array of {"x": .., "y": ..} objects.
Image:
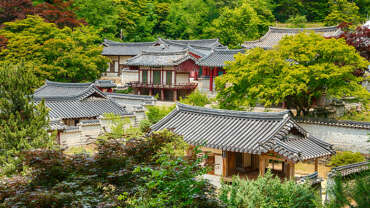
[
  {"x": 247, "y": 21},
  {"x": 58, "y": 54},
  {"x": 342, "y": 11},
  {"x": 302, "y": 68},
  {"x": 23, "y": 123}
]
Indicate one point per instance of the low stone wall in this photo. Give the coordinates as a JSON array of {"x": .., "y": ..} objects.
[{"x": 344, "y": 138}]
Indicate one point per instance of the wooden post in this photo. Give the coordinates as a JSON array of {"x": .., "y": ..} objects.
[
  {"x": 262, "y": 165},
  {"x": 211, "y": 81},
  {"x": 291, "y": 171},
  {"x": 162, "y": 94},
  {"x": 150, "y": 92},
  {"x": 316, "y": 164},
  {"x": 224, "y": 164},
  {"x": 175, "y": 95}
]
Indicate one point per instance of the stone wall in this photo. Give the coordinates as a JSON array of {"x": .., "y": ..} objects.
[{"x": 343, "y": 138}]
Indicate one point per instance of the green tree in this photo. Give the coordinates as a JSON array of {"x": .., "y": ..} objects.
[
  {"x": 103, "y": 15},
  {"x": 23, "y": 122},
  {"x": 346, "y": 158},
  {"x": 297, "y": 21},
  {"x": 156, "y": 113},
  {"x": 58, "y": 54},
  {"x": 267, "y": 191},
  {"x": 247, "y": 21},
  {"x": 196, "y": 98},
  {"x": 342, "y": 11},
  {"x": 300, "y": 69}
]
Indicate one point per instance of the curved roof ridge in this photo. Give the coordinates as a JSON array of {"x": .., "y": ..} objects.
[
  {"x": 171, "y": 42},
  {"x": 116, "y": 43},
  {"x": 179, "y": 52},
  {"x": 67, "y": 84},
  {"x": 232, "y": 113},
  {"x": 316, "y": 29},
  {"x": 261, "y": 38}
]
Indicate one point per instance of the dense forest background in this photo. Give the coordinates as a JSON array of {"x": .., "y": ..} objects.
[{"x": 232, "y": 21}]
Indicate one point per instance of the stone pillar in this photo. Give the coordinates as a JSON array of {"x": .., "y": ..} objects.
[
  {"x": 174, "y": 95},
  {"x": 162, "y": 94},
  {"x": 138, "y": 91}
]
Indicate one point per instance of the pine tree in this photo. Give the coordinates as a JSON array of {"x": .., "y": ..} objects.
[{"x": 23, "y": 124}]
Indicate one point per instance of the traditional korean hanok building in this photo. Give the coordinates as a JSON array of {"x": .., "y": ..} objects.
[
  {"x": 72, "y": 102},
  {"x": 213, "y": 65},
  {"x": 245, "y": 143},
  {"x": 168, "y": 74},
  {"x": 119, "y": 52},
  {"x": 275, "y": 34}
]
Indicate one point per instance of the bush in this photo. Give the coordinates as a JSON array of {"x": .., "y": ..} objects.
[
  {"x": 346, "y": 158},
  {"x": 297, "y": 21},
  {"x": 267, "y": 191},
  {"x": 58, "y": 180},
  {"x": 156, "y": 113},
  {"x": 196, "y": 98}
]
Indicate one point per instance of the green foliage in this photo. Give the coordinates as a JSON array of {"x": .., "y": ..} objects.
[
  {"x": 174, "y": 184},
  {"x": 353, "y": 193},
  {"x": 346, "y": 158},
  {"x": 196, "y": 98},
  {"x": 145, "y": 125},
  {"x": 156, "y": 113},
  {"x": 342, "y": 11},
  {"x": 58, "y": 54},
  {"x": 23, "y": 122},
  {"x": 247, "y": 21},
  {"x": 267, "y": 191},
  {"x": 125, "y": 91},
  {"x": 102, "y": 15},
  {"x": 301, "y": 68},
  {"x": 297, "y": 21},
  {"x": 111, "y": 178}
]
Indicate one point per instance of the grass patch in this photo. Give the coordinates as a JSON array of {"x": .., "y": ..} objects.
[{"x": 84, "y": 149}]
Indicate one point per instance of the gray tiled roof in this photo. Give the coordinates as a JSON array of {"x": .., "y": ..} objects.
[
  {"x": 124, "y": 49},
  {"x": 76, "y": 100},
  {"x": 105, "y": 84},
  {"x": 240, "y": 131},
  {"x": 151, "y": 58},
  {"x": 201, "y": 47},
  {"x": 56, "y": 124},
  {"x": 130, "y": 96},
  {"x": 218, "y": 57},
  {"x": 332, "y": 122},
  {"x": 275, "y": 34}
]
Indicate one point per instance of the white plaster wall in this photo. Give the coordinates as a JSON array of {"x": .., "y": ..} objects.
[
  {"x": 129, "y": 76},
  {"x": 203, "y": 84},
  {"x": 182, "y": 78},
  {"x": 218, "y": 165},
  {"x": 70, "y": 138},
  {"x": 343, "y": 138}
]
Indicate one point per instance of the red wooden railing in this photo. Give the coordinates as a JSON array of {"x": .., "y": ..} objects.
[{"x": 188, "y": 85}]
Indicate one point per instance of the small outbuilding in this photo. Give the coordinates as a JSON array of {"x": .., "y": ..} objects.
[{"x": 245, "y": 143}]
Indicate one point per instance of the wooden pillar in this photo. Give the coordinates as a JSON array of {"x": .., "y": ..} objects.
[
  {"x": 262, "y": 165},
  {"x": 316, "y": 164},
  {"x": 150, "y": 92},
  {"x": 224, "y": 164},
  {"x": 175, "y": 95},
  {"x": 162, "y": 94},
  {"x": 291, "y": 171},
  {"x": 211, "y": 80}
]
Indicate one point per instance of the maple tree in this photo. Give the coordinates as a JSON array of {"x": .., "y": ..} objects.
[
  {"x": 59, "y": 12},
  {"x": 11, "y": 10}
]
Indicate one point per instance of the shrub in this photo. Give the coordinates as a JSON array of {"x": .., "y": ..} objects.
[
  {"x": 156, "y": 113},
  {"x": 196, "y": 98},
  {"x": 267, "y": 191},
  {"x": 58, "y": 180},
  {"x": 297, "y": 21},
  {"x": 346, "y": 158}
]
